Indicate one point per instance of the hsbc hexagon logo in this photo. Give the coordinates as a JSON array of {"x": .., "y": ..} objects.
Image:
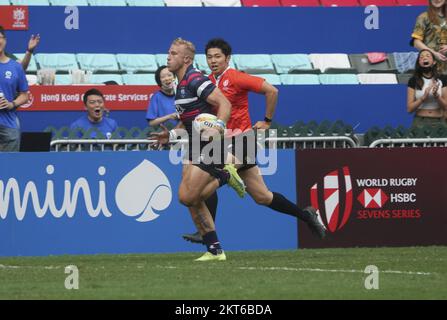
[
  {"x": 333, "y": 199},
  {"x": 372, "y": 198}
]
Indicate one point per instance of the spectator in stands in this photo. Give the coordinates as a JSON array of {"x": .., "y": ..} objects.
[
  {"x": 13, "y": 93},
  {"x": 161, "y": 109},
  {"x": 427, "y": 92},
  {"x": 94, "y": 120},
  {"x": 32, "y": 44},
  {"x": 430, "y": 32}
]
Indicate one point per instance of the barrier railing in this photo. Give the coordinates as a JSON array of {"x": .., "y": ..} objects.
[
  {"x": 145, "y": 144},
  {"x": 413, "y": 142}
]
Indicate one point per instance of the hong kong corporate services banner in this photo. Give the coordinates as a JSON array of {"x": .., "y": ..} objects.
[
  {"x": 123, "y": 202},
  {"x": 375, "y": 197}
]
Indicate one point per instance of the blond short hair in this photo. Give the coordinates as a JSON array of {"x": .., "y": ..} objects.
[{"x": 190, "y": 48}]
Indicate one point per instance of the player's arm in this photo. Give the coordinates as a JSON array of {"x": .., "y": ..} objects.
[
  {"x": 271, "y": 99},
  {"x": 157, "y": 121}
]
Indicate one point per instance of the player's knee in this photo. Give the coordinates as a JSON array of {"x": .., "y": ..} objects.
[
  {"x": 263, "y": 199},
  {"x": 188, "y": 199}
]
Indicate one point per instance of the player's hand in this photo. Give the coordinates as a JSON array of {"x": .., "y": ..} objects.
[
  {"x": 33, "y": 42},
  {"x": 261, "y": 125},
  {"x": 443, "y": 49},
  {"x": 161, "y": 138}
]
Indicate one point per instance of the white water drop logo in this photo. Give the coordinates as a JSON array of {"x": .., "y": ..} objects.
[{"x": 143, "y": 190}]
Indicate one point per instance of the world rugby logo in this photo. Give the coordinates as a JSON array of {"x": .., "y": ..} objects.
[{"x": 332, "y": 206}]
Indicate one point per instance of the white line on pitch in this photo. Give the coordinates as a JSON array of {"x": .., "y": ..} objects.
[{"x": 331, "y": 270}]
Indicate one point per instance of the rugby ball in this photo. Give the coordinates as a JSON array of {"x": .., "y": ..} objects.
[{"x": 203, "y": 121}]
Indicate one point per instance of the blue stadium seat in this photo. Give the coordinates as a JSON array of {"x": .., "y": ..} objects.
[
  {"x": 108, "y": 3},
  {"x": 299, "y": 79},
  {"x": 254, "y": 63},
  {"x": 338, "y": 79},
  {"x": 137, "y": 62},
  {"x": 63, "y": 79},
  {"x": 101, "y": 78},
  {"x": 32, "y": 67},
  {"x": 69, "y": 2},
  {"x": 27, "y": 2},
  {"x": 162, "y": 59},
  {"x": 98, "y": 62},
  {"x": 273, "y": 79},
  {"x": 146, "y": 3},
  {"x": 58, "y": 61},
  {"x": 140, "y": 79},
  {"x": 285, "y": 63}
]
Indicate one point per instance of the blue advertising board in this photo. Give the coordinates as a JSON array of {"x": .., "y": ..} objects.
[{"x": 124, "y": 202}]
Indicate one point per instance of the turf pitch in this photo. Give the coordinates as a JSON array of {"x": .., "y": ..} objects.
[{"x": 404, "y": 273}]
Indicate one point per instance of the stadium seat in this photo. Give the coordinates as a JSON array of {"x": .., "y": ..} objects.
[
  {"x": 63, "y": 79},
  {"x": 299, "y": 79},
  {"x": 377, "y": 78},
  {"x": 58, "y": 61},
  {"x": 140, "y": 79},
  {"x": 412, "y": 3},
  {"x": 330, "y": 60},
  {"x": 137, "y": 62},
  {"x": 300, "y": 3},
  {"x": 98, "y": 62},
  {"x": 378, "y": 3},
  {"x": 222, "y": 3},
  {"x": 26, "y": 2},
  {"x": 30, "y": 2},
  {"x": 362, "y": 64},
  {"x": 108, "y": 3},
  {"x": 254, "y": 63},
  {"x": 273, "y": 79},
  {"x": 102, "y": 78},
  {"x": 183, "y": 3},
  {"x": 285, "y": 63},
  {"x": 69, "y": 2},
  {"x": 338, "y": 79},
  {"x": 146, "y": 3},
  {"x": 261, "y": 3},
  {"x": 200, "y": 63},
  {"x": 339, "y": 3},
  {"x": 162, "y": 59},
  {"x": 32, "y": 67},
  {"x": 405, "y": 61},
  {"x": 403, "y": 78}
]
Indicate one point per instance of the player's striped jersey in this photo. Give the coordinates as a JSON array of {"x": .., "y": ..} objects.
[{"x": 191, "y": 95}]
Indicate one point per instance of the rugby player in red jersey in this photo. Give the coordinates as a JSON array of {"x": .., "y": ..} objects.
[{"x": 236, "y": 85}]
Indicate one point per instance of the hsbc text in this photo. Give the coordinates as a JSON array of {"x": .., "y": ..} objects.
[{"x": 403, "y": 197}]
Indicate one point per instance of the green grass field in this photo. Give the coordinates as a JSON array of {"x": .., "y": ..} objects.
[{"x": 404, "y": 273}]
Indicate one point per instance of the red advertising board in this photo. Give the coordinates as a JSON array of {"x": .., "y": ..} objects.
[
  {"x": 375, "y": 197},
  {"x": 14, "y": 17},
  {"x": 69, "y": 98}
]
